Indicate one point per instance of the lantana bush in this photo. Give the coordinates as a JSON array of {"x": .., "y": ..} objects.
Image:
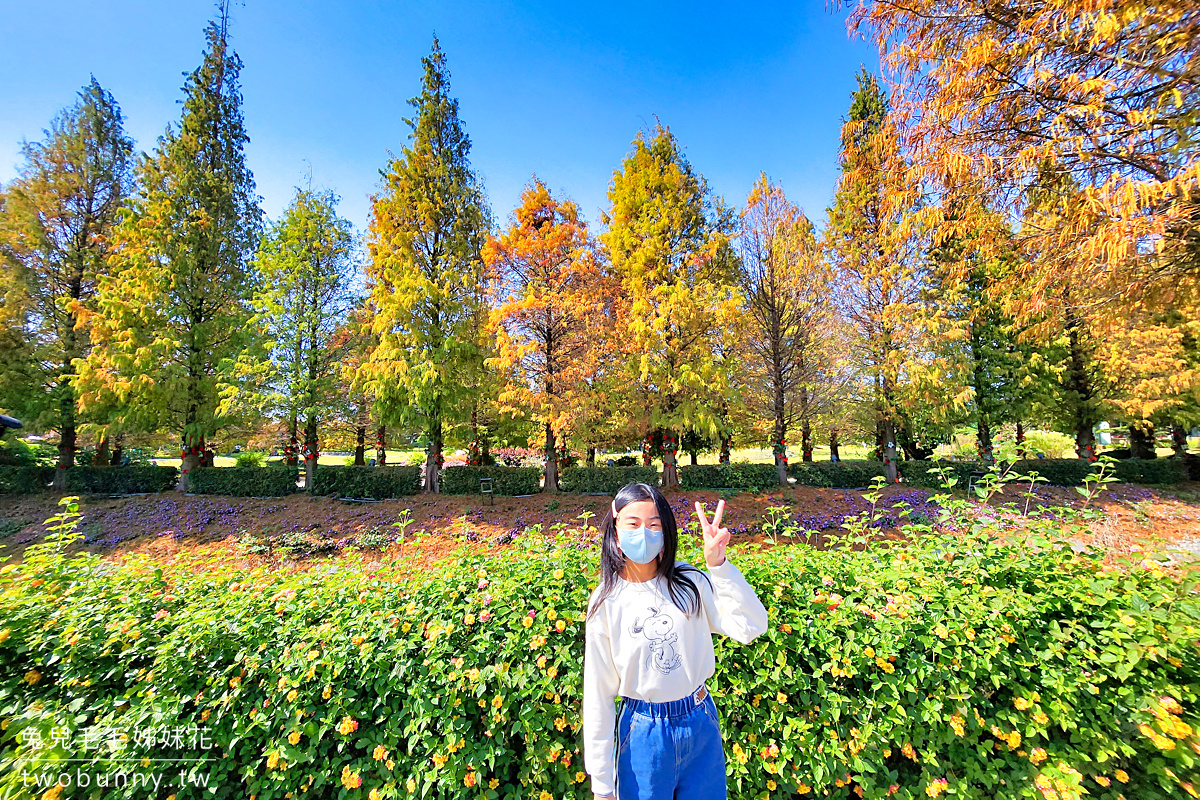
[{"x": 951, "y": 663}]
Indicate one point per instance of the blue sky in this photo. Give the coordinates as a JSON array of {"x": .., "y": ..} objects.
[{"x": 559, "y": 89}]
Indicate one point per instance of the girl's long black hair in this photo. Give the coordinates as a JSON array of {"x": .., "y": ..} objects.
[{"x": 682, "y": 590}]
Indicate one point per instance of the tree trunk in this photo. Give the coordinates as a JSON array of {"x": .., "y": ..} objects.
[
  {"x": 1179, "y": 440},
  {"x": 118, "y": 452},
  {"x": 591, "y": 456},
  {"x": 550, "y": 472},
  {"x": 190, "y": 462},
  {"x": 564, "y": 457},
  {"x": 806, "y": 443},
  {"x": 888, "y": 434},
  {"x": 779, "y": 405},
  {"x": 1080, "y": 388},
  {"x": 983, "y": 427},
  {"x": 1085, "y": 443},
  {"x": 103, "y": 453},
  {"x": 695, "y": 457},
  {"x": 1141, "y": 439},
  {"x": 670, "y": 474},
  {"x": 293, "y": 448},
  {"x": 381, "y": 446},
  {"x": 780, "y": 453},
  {"x": 1021, "y": 451},
  {"x": 983, "y": 442},
  {"x": 192, "y": 458},
  {"x": 311, "y": 452},
  {"x": 67, "y": 438},
  {"x": 360, "y": 434},
  {"x": 432, "y": 482},
  {"x": 834, "y": 455},
  {"x": 725, "y": 438},
  {"x": 360, "y": 446},
  {"x": 473, "y": 457},
  {"x": 66, "y": 400}
]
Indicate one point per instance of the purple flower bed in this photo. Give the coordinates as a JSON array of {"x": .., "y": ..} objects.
[{"x": 333, "y": 526}]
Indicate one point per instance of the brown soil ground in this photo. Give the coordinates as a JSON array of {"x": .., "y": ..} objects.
[{"x": 204, "y": 530}]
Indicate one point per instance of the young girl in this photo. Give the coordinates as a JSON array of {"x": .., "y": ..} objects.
[{"x": 649, "y": 640}]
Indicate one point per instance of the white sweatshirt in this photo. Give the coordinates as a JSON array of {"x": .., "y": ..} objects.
[{"x": 641, "y": 645}]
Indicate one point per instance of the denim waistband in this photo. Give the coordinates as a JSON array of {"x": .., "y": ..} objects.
[{"x": 671, "y": 708}]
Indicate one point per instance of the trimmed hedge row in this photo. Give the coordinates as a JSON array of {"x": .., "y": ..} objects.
[
  {"x": 1152, "y": 470},
  {"x": 835, "y": 474},
  {"x": 245, "y": 481},
  {"x": 922, "y": 474},
  {"x": 90, "y": 480},
  {"x": 605, "y": 480},
  {"x": 25, "y": 480},
  {"x": 121, "y": 480},
  {"x": 1056, "y": 471},
  {"x": 367, "y": 483},
  {"x": 756, "y": 477},
  {"x": 508, "y": 481}
]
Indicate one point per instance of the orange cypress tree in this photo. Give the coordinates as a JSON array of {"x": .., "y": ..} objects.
[
  {"x": 547, "y": 289},
  {"x": 793, "y": 353}
]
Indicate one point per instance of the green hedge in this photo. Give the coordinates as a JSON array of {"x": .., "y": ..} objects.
[
  {"x": 757, "y": 477},
  {"x": 373, "y": 483},
  {"x": 25, "y": 480},
  {"x": 1056, "y": 471},
  {"x": 605, "y": 480},
  {"x": 245, "y": 481},
  {"x": 921, "y": 473},
  {"x": 121, "y": 480},
  {"x": 90, "y": 480},
  {"x": 835, "y": 475},
  {"x": 957, "y": 658},
  {"x": 1152, "y": 470},
  {"x": 505, "y": 480}
]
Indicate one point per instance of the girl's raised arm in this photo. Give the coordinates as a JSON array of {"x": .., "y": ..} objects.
[{"x": 732, "y": 606}]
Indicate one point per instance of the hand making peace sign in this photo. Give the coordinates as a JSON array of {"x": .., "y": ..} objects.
[{"x": 715, "y": 537}]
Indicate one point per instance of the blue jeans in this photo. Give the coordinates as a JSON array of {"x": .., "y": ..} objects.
[{"x": 670, "y": 751}]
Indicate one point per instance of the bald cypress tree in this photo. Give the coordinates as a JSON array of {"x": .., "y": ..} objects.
[
  {"x": 427, "y": 230},
  {"x": 56, "y": 226},
  {"x": 878, "y": 274},
  {"x": 173, "y": 311}
]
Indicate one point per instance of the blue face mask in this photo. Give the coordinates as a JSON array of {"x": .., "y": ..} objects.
[{"x": 641, "y": 545}]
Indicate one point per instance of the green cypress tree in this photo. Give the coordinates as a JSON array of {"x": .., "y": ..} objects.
[
  {"x": 173, "y": 311},
  {"x": 55, "y": 232},
  {"x": 668, "y": 240},
  {"x": 306, "y": 263},
  {"x": 427, "y": 230}
]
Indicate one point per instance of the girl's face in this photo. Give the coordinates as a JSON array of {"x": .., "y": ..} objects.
[{"x": 636, "y": 514}]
